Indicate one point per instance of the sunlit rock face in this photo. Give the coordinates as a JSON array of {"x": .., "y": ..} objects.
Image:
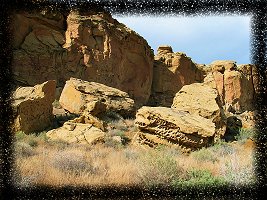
[{"x": 91, "y": 46}]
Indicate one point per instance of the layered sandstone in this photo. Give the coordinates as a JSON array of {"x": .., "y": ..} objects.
[
  {"x": 79, "y": 96},
  {"x": 166, "y": 125},
  {"x": 33, "y": 107},
  {"x": 171, "y": 72},
  {"x": 236, "y": 85},
  {"x": 91, "y": 46}
]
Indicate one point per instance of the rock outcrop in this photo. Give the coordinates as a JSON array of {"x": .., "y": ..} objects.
[
  {"x": 236, "y": 85},
  {"x": 189, "y": 131},
  {"x": 91, "y": 46},
  {"x": 200, "y": 99},
  {"x": 33, "y": 107},
  {"x": 79, "y": 96},
  {"x": 171, "y": 72}
]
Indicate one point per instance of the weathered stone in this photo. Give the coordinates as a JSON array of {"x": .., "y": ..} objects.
[
  {"x": 171, "y": 72},
  {"x": 200, "y": 99},
  {"x": 177, "y": 127},
  {"x": 33, "y": 107},
  {"x": 236, "y": 85},
  {"x": 95, "y": 47},
  {"x": 77, "y": 97},
  {"x": 77, "y": 133}
]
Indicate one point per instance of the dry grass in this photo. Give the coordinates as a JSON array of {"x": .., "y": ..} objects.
[{"x": 39, "y": 161}]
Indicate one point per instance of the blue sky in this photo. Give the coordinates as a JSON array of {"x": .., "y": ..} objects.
[{"x": 204, "y": 39}]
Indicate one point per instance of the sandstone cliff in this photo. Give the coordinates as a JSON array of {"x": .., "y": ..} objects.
[{"x": 91, "y": 46}]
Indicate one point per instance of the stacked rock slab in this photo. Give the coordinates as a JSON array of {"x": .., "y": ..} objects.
[
  {"x": 79, "y": 96},
  {"x": 196, "y": 119},
  {"x": 187, "y": 131},
  {"x": 33, "y": 107},
  {"x": 171, "y": 72},
  {"x": 236, "y": 85},
  {"x": 91, "y": 46}
]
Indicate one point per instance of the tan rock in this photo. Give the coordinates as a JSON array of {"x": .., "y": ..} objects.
[
  {"x": 78, "y": 96},
  {"x": 95, "y": 47},
  {"x": 78, "y": 133},
  {"x": 33, "y": 107},
  {"x": 171, "y": 72},
  {"x": 200, "y": 99},
  {"x": 177, "y": 127}
]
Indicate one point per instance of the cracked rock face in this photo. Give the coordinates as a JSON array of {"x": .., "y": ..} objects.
[
  {"x": 171, "y": 72},
  {"x": 77, "y": 133},
  {"x": 236, "y": 85},
  {"x": 200, "y": 99},
  {"x": 176, "y": 127},
  {"x": 33, "y": 107},
  {"x": 91, "y": 46},
  {"x": 78, "y": 96}
]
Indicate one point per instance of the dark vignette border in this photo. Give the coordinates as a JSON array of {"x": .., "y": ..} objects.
[{"x": 256, "y": 8}]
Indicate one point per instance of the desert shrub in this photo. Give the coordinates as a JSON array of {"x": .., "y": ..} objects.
[
  {"x": 222, "y": 148},
  {"x": 205, "y": 154},
  {"x": 156, "y": 169},
  {"x": 199, "y": 178},
  {"x": 23, "y": 149},
  {"x": 20, "y": 135},
  {"x": 56, "y": 104},
  {"x": 130, "y": 154},
  {"x": 110, "y": 142},
  {"x": 72, "y": 162},
  {"x": 244, "y": 134}
]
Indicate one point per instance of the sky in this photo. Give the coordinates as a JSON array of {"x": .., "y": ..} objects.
[{"x": 204, "y": 39}]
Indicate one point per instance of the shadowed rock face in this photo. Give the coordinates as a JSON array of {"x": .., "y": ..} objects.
[
  {"x": 171, "y": 72},
  {"x": 91, "y": 46},
  {"x": 33, "y": 107}
]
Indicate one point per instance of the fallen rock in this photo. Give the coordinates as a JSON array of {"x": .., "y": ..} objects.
[
  {"x": 200, "y": 99},
  {"x": 33, "y": 107},
  {"x": 171, "y": 72},
  {"x": 88, "y": 45},
  {"x": 180, "y": 128},
  {"x": 79, "y": 96},
  {"x": 77, "y": 133}
]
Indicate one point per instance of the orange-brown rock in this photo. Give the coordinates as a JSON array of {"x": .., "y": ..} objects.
[
  {"x": 91, "y": 46},
  {"x": 33, "y": 107},
  {"x": 236, "y": 85},
  {"x": 171, "y": 72},
  {"x": 200, "y": 99},
  {"x": 79, "y": 96}
]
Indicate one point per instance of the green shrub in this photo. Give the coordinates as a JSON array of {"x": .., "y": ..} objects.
[
  {"x": 244, "y": 134},
  {"x": 205, "y": 154},
  {"x": 199, "y": 178}
]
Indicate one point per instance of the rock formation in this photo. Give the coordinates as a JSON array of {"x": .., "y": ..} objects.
[
  {"x": 202, "y": 100},
  {"x": 180, "y": 128},
  {"x": 171, "y": 72},
  {"x": 79, "y": 96},
  {"x": 33, "y": 107},
  {"x": 92, "y": 46},
  {"x": 236, "y": 85}
]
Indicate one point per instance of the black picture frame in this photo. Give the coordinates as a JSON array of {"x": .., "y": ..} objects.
[{"x": 258, "y": 11}]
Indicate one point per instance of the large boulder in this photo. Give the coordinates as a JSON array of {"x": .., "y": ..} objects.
[
  {"x": 200, "y": 99},
  {"x": 236, "y": 85},
  {"x": 189, "y": 131},
  {"x": 33, "y": 107},
  {"x": 79, "y": 96},
  {"x": 91, "y": 46},
  {"x": 171, "y": 72}
]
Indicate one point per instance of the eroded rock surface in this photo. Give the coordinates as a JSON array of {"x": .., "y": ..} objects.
[
  {"x": 91, "y": 46},
  {"x": 180, "y": 128},
  {"x": 236, "y": 85},
  {"x": 200, "y": 99},
  {"x": 33, "y": 107},
  {"x": 79, "y": 96},
  {"x": 171, "y": 72}
]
